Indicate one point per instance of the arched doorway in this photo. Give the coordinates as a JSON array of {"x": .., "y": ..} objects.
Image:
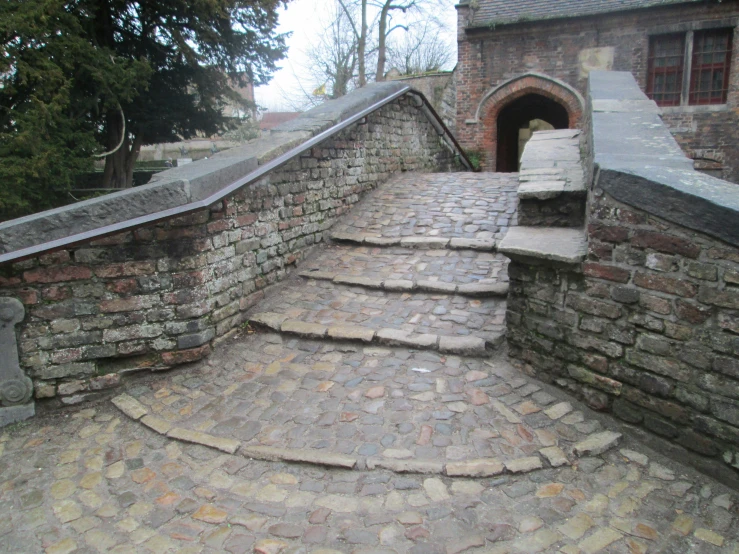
[
  {"x": 515, "y": 103},
  {"x": 517, "y": 117}
]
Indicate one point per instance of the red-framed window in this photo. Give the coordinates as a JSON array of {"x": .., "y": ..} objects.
[
  {"x": 665, "y": 68},
  {"x": 709, "y": 74}
]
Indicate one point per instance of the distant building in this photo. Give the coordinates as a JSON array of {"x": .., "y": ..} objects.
[
  {"x": 270, "y": 120},
  {"x": 527, "y": 60}
]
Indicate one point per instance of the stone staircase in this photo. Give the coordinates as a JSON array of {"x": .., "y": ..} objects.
[
  {"x": 552, "y": 197},
  {"x": 380, "y": 353},
  {"x": 414, "y": 265}
]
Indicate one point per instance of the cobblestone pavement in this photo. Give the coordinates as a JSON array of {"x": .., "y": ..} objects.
[
  {"x": 445, "y": 266},
  {"x": 467, "y": 205},
  {"x": 386, "y": 402},
  {"x": 327, "y": 303},
  {"x": 93, "y": 480},
  {"x": 285, "y": 445}
]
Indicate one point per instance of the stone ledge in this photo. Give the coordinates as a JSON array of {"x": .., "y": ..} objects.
[
  {"x": 453, "y": 243},
  {"x": 479, "y": 290},
  {"x": 177, "y": 188},
  {"x": 314, "y": 457},
  {"x": 466, "y": 346},
  {"x": 555, "y": 244},
  {"x": 641, "y": 164}
]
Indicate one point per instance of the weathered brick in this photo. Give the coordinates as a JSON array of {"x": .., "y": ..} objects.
[
  {"x": 665, "y": 284},
  {"x": 186, "y": 356},
  {"x": 608, "y": 233},
  {"x": 57, "y": 274},
  {"x": 625, "y": 295},
  {"x": 132, "y": 332},
  {"x": 658, "y": 364},
  {"x": 706, "y": 272},
  {"x": 692, "y": 312},
  {"x": 590, "y": 306},
  {"x": 601, "y": 382},
  {"x": 655, "y": 304},
  {"x": 126, "y": 269},
  {"x": 608, "y": 272},
  {"x": 728, "y": 298},
  {"x": 129, "y": 304},
  {"x": 665, "y": 243},
  {"x": 727, "y": 366}
]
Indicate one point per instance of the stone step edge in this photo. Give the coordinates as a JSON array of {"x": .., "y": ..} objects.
[
  {"x": 397, "y": 460},
  {"x": 462, "y": 346},
  {"x": 478, "y": 290},
  {"x": 543, "y": 190},
  {"x": 427, "y": 243}
]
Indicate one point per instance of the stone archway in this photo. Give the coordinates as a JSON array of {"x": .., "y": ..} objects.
[{"x": 547, "y": 98}]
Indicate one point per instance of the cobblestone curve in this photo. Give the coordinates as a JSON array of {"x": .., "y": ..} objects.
[
  {"x": 178, "y": 472},
  {"x": 94, "y": 480}
]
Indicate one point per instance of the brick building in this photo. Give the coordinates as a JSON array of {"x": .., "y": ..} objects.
[{"x": 528, "y": 60}]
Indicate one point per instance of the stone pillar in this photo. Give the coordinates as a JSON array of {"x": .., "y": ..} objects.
[{"x": 16, "y": 389}]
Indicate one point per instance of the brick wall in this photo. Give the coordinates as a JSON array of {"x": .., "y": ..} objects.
[
  {"x": 158, "y": 296},
  {"x": 647, "y": 324},
  {"x": 491, "y": 56},
  {"x": 647, "y": 327}
]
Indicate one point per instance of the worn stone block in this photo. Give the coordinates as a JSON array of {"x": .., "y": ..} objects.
[{"x": 307, "y": 330}]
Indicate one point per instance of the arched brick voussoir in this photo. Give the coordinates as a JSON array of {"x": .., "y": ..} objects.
[{"x": 499, "y": 97}]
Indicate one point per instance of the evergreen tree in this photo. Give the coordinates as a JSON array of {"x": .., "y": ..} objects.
[{"x": 109, "y": 76}]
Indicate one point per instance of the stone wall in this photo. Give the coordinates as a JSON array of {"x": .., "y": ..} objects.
[
  {"x": 439, "y": 89},
  {"x": 491, "y": 54},
  {"x": 647, "y": 326},
  {"x": 159, "y": 295}
]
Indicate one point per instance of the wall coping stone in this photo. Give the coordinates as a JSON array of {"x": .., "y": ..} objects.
[
  {"x": 557, "y": 244},
  {"x": 171, "y": 193},
  {"x": 638, "y": 162}
]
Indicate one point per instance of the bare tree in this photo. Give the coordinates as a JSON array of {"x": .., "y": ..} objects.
[
  {"x": 421, "y": 50},
  {"x": 334, "y": 58},
  {"x": 355, "y": 37},
  {"x": 386, "y": 8}
]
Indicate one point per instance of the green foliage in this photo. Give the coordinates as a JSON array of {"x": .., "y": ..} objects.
[
  {"x": 51, "y": 80},
  {"x": 72, "y": 72},
  {"x": 476, "y": 158}
]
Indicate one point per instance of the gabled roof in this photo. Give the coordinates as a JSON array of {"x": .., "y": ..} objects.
[{"x": 506, "y": 12}]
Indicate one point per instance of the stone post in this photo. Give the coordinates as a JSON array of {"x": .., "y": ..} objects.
[{"x": 16, "y": 389}]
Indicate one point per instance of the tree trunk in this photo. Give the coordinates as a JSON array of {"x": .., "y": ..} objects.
[
  {"x": 119, "y": 165},
  {"x": 362, "y": 46},
  {"x": 382, "y": 43}
]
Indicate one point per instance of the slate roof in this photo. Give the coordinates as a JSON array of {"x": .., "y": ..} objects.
[{"x": 505, "y": 12}]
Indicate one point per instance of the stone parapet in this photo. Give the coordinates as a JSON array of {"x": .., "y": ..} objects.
[
  {"x": 647, "y": 326},
  {"x": 163, "y": 293}
]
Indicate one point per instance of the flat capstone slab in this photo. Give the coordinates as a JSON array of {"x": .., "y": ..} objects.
[{"x": 556, "y": 244}]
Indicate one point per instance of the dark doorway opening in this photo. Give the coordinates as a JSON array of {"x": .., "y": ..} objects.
[{"x": 517, "y": 116}]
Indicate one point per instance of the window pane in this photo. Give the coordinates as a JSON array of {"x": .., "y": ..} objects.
[
  {"x": 665, "y": 69},
  {"x": 709, "y": 79}
]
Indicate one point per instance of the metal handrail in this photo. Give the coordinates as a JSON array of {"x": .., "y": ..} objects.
[{"x": 261, "y": 171}]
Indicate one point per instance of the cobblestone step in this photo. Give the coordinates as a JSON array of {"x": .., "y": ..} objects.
[
  {"x": 437, "y": 270},
  {"x": 452, "y": 205},
  {"x": 368, "y": 408},
  {"x": 468, "y": 345},
  {"x": 340, "y": 305},
  {"x": 419, "y": 242},
  {"x": 475, "y": 290}
]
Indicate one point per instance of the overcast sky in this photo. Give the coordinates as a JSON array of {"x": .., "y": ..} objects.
[{"x": 303, "y": 18}]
